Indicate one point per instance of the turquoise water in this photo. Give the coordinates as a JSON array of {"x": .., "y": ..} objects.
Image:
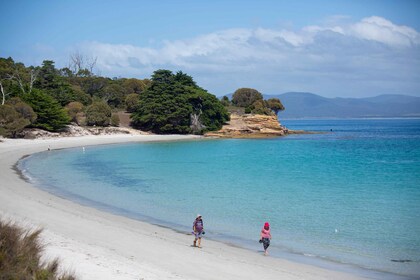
[{"x": 351, "y": 195}]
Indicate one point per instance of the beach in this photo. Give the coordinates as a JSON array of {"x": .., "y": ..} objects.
[{"x": 100, "y": 245}]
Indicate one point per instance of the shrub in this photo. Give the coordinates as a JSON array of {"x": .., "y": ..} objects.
[
  {"x": 245, "y": 97},
  {"x": 15, "y": 115},
  {"x": 74, "y": 109},
  {"x": 131, "y": 102},
  {"x": 259, "y": 107},
  {"x": 20, "y": 256},
  {"x": 99, "y": 113},
  {"x": 115, "y": 120}
]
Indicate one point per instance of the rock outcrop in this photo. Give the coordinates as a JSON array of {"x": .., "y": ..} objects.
[{"x": 250, "y": 126}]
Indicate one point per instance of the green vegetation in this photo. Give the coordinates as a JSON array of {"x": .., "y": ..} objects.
[
  {"x": 168, "y": 103},
  {"x": 252, "y": 101},
  {"x": 173, "y": 103},
  {"x": 51, "y": 116},
  {"x": 131, "y": 102},
  {"x": 15, "y": 115},
  {"x": 74, "y": 110},
  {"x": 20, "y": 256},
  {"x": 98, "y": 114},
  {"x": 50, "y": 98}
]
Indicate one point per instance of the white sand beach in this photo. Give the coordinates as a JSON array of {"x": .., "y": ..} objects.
[{"x": 100, "y": 245}]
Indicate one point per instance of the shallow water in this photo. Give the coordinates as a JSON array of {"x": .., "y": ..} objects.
[{"x": 351, "y": 195}]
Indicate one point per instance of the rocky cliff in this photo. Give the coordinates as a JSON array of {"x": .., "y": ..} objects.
[{"x": 250, "y": 126}]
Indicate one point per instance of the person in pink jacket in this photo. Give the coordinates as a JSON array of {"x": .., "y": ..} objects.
[{"x": 265, "y": 237}]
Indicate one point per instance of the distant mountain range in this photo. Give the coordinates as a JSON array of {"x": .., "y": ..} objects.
[{"x": 309, "y": 105}]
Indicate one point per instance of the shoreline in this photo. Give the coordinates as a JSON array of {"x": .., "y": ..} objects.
[{"x": 98, "y": 244}]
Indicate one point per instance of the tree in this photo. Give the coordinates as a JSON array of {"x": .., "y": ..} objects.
[
  {"x": 25, "y": 78},
  {"x": 275, "y": 105},
  {"x": 3, "y": 93},
  {"x": 51, "y": 116},
  {"x": 99, "y": 113},
  {"x": 81, "y": 65},
  {"x": 5, "y": 77},
  {"x": 245, "y": 97},
  {"x": 184, "y": 79},
  {"x": 93, "y": 86},
  {"x": 113, "y": 94},
  {"x": 211, "y": 112},
  {"x": 131, "y": 102},
  {"x": 134, "y": 86},
  {"x": 175, "y": 104}
]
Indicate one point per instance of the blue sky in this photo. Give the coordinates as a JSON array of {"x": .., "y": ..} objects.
[{"x": 332, "y": 48}]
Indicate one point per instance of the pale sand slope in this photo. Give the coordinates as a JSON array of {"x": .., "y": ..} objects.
[{"x": 99, "y": 245}]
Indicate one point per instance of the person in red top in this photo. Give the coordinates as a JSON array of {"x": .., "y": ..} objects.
[{"x": 265, "y": 237}]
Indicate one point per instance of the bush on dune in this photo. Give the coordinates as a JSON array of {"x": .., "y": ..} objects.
[{"x": 20, "y": 255}]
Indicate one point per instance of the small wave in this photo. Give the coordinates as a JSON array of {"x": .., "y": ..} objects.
[
  {"x": 309, "y": 255},
  {"x": 402, "y": 261}
]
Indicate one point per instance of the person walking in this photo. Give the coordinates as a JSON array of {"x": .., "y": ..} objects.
[
  {"x": 198, "y": 230},
  {"x": 265, "y": 237}
]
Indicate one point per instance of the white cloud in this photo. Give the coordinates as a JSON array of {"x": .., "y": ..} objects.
[
  {"x": 325, "y": 59},
  {"x": 383, "y": 31}
]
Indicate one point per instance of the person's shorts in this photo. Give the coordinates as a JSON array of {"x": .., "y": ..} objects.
[
  {"x": 198, "y": 234},
  {"x": 266, "y": 243}
]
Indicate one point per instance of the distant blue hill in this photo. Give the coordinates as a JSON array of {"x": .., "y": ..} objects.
[{"x": 309, "y": 105}]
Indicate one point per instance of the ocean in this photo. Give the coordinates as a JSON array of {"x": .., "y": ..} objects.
[{"x": 348, "y": 197}]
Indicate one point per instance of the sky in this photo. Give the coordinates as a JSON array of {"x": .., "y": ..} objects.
[{"x": 358, "y": 48}]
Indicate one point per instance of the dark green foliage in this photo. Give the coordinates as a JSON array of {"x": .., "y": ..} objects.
[
  {"x": 20, "y": 256},
  {"x": 213, "y": 113},
  {"x": 51, "y": 116},
  {"x": 163, "y": 111},
  {"x": 184, "y": 79},
  {"x": 167, "y": 105},
  {"x": 50, "y": 82},
  {"x": 245, "y": 97},
  {"x": 98, "y": 114}
]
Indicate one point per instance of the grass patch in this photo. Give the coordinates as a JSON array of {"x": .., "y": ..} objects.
[{"x": 20, "y": 255}]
